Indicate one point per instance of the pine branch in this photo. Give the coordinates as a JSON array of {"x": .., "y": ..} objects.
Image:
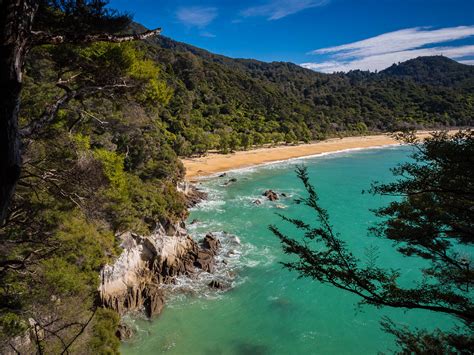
[{"x": 41, "y": 37}]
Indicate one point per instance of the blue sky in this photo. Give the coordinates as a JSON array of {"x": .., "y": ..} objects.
[{"x": 324, "y": 35}]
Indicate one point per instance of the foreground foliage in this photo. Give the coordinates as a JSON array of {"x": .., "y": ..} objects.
[
  {"x": 96, "y": 164},
  {"x": 434, "y": 220}
]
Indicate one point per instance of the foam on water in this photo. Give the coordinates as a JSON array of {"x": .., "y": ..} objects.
[
  {"x": 232, "y": 257},
  {"x": 225, "y": 272}
]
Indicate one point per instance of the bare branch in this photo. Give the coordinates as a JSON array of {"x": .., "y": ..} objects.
[
  {"x": 65, "y": 351},
  {"x": 41, "y": 37}
]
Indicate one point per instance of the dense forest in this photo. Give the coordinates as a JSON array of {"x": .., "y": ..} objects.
[
  {"x": 227, "y": 104},
  {"x": 218, "y": 103},
  {"x": 103, "y": 125}
]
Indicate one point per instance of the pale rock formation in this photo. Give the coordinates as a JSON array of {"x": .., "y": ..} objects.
[{"x": 133, "y": 281}]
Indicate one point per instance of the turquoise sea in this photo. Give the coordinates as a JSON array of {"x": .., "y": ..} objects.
[{"x": 269, "y": 310}]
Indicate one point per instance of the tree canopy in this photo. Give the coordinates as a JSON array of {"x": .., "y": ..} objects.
[{"x": 25, "y": 24}]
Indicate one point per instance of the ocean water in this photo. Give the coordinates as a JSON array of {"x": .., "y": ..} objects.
[{"x": 269, "y": 310}]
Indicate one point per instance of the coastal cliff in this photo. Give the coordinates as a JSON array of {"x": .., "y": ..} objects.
[{"x": 133, "y": 282}]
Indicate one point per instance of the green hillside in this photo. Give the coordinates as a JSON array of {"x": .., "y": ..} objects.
[
  {"x": 436, "y": 70},
  {"x": 223, "y": 103}
]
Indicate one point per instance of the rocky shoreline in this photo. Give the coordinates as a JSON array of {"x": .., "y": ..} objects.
[{"x": 134, "y": 282}]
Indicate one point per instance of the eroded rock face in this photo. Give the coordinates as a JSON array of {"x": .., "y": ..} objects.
[
  {"x": 133, "y": 281},
  {"x": 205, "y": 256}
]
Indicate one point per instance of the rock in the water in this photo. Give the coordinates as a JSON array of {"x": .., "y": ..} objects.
[
  {"x": 230, "y": 181},
  {"x": 284, "y": 195},
  {"x": 124, "y": 332},
  {"x": 257, "y": 202},
  {"x": 223, "y": 175},
  {"x": 271, "y": 195},
  {"x": 215, "y": 284},
  {"x": 205, "y": 257},
  {"x": 211, "y": 243},
  {"x": 205, "y": 261},
  {"x": 154, "y": 301}
]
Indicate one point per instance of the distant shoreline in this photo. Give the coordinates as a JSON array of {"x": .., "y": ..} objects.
[{"x": 215, "y": 163}]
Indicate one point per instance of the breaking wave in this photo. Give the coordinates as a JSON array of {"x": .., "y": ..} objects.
[{"x": 232, "y": 258}]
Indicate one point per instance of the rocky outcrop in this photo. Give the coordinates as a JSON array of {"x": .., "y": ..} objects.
[
  {"x": 215, "y": 284},
  {"x": 271, "y": 195},
  {"x": 21, "y": 344},
  {"x": 133, "y": 281},
  {"x": 205, "y": 258},
  {"x": 124, "y": 332},
  {"x": 192, "y": 194}
]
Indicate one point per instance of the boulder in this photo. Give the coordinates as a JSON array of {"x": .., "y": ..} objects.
[
  {"x": 205, "y": 256},
  {"x": 230, "y": 181},
  {"x": 154, "y": 301},
  {"x": 221, "y": 285},
  {"x": 124, "y": 332},
  {"x": 196, "y": 196},
  {"x": 192, "y": 194},
  {"x": 205, "y": 261},
  {"x": 271, "y": 195},
  {"x": 211, "y": 243}
]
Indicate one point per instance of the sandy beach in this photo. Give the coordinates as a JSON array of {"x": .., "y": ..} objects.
[{"x": 218, "y": 163}]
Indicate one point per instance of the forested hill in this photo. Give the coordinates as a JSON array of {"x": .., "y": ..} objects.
[
  {"x": 436, "y": 70},
  {"x": 224, "y": 103}
]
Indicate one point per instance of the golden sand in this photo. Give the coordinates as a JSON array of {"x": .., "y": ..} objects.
[{"x": 218, "y": 163}]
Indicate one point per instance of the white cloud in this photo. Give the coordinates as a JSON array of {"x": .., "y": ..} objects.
[
  {"x": 468, "y": 62},
  {"x": 380, "y": 52},
  {"x": 207, "y": 34},
  {"x": 278, "y": 9},
  {"x": 197, "y": 16}
]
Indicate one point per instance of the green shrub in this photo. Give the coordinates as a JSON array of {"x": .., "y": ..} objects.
[{"x": 104, "y": 340}]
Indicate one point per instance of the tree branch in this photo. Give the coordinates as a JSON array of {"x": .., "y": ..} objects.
[
  {"x": 41, "y": 37},
  {"x": 50, "y": 112},
  {"x": 65, "y": 351}
]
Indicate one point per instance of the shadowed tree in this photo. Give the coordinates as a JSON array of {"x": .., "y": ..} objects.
[
  {"x": 433, "y": 220},
  {"x": 25, "y": 24}
]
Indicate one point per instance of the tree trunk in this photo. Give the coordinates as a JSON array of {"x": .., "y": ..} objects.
[{"x": 16, "y": 17}]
